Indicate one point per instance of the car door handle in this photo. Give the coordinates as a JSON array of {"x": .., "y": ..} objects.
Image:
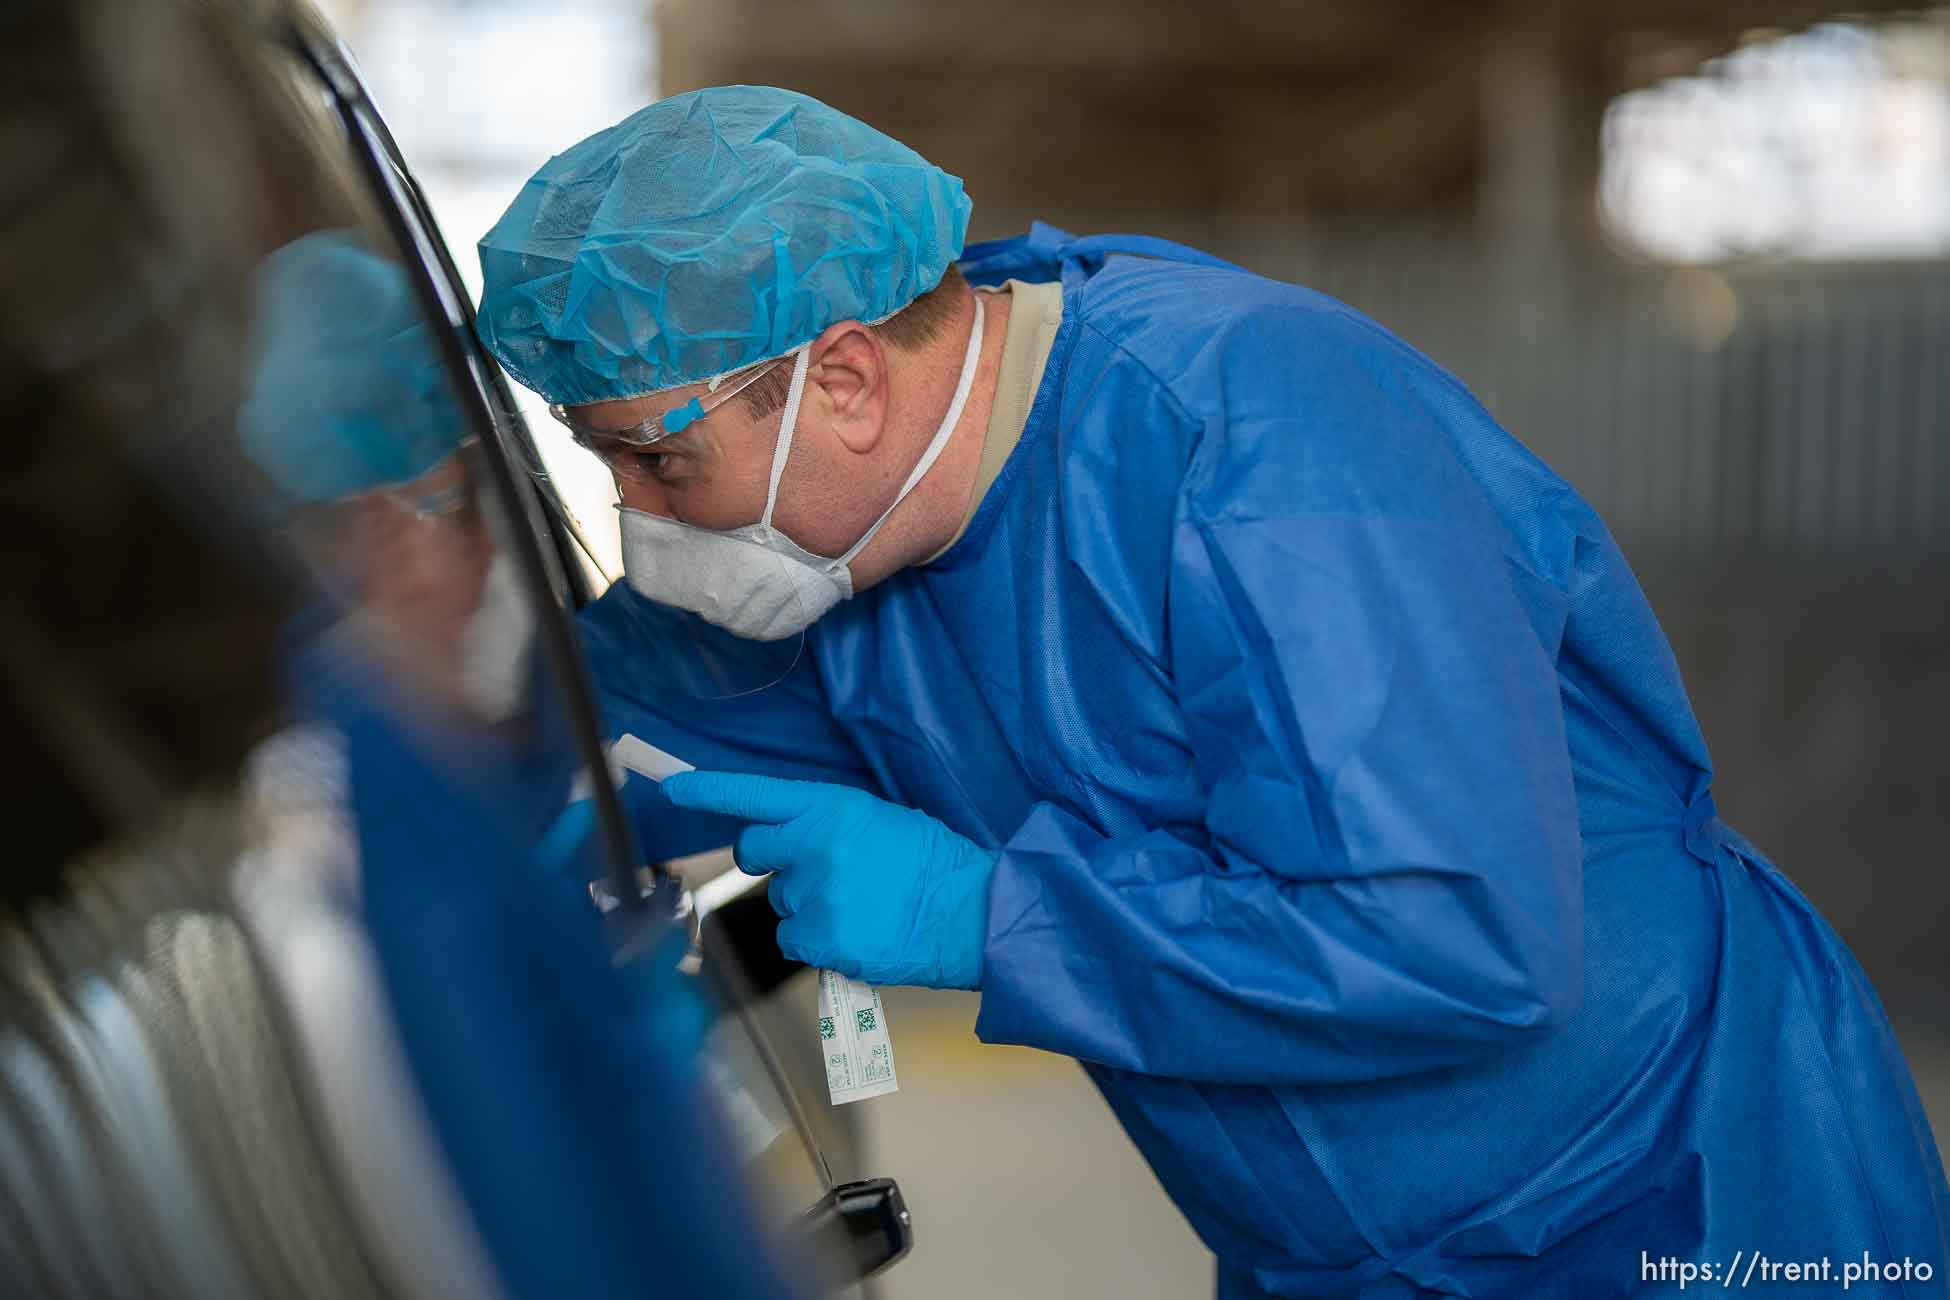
[{"x": 856, "y": 1230}]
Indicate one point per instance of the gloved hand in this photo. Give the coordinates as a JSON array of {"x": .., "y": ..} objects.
[{"x": 867, "y": 888}]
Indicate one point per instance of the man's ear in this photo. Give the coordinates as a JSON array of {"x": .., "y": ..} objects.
[{"x": 848, "y": 370}]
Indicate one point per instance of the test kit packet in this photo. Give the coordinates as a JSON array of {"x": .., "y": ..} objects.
[{"x": 853, "y": 1037}]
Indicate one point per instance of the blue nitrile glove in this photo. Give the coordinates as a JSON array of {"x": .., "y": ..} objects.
[{"x": 867, "y": 888}]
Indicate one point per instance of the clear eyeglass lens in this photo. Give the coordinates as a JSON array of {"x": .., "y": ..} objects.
[
  {"x": 642, "y": 434},
  {"x": 624, "y": 461}
]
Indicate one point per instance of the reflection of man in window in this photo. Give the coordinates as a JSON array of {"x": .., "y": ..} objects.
[{"x": 351, "y": 416}]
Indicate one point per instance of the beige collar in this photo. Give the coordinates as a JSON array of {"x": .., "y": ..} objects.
[{"x": 1037, "y": 313}]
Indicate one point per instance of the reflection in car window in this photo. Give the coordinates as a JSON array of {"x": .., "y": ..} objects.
[{"x": 350, "y": 415}]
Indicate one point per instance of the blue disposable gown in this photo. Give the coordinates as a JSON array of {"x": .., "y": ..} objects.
[{"x": 1355, "y": 831}]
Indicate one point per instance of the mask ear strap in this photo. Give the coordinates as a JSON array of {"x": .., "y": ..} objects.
[
  {"x": 782, "y": 448},
  {"x": 939, "y": 444}
]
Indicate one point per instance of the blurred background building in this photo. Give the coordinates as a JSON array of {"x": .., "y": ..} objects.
[{"x": 1697, "y": 256}]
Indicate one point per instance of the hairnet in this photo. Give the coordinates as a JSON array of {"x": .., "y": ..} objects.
[
  {"x": 347, "y": 391},
  {"x": 704, "y": 233}
]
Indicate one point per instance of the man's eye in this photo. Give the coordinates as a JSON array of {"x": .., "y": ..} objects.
[{"x": 658, "y": 464}]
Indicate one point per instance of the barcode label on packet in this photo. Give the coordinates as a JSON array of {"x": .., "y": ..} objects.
[{"x": 853, "y": 1038}]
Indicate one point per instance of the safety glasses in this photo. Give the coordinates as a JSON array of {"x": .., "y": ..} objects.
[
  {"x": 433, "y": 505},
  {"x": 649, "y": 432}
]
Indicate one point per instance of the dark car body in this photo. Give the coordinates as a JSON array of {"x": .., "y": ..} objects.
[{"x": 157, "y": 153}]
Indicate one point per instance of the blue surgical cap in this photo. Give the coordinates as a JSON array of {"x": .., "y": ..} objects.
[
  {"x": 346, "y": 389},
  {"x": 704, "y": 233}
]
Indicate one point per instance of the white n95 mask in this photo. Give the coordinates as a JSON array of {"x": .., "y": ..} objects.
[
  {"x": 495, "y": 645},
  {"x": 754, "y": 581}
]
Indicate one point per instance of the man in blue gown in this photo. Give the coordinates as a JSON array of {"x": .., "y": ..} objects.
[{"x": 1199, "y": 672}]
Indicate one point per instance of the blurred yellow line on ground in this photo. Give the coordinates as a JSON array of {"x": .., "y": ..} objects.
[{"x": 934, "y": 1035}]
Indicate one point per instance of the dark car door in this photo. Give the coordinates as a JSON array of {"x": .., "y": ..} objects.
[
  {"x": 769, "y": 1096},
  {"x": 199, "y": 1093}
]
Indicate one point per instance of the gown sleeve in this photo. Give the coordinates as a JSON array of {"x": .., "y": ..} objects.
[
  {"x": 1388, "y": 877},
  {"x": 782, "y": 729}
]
